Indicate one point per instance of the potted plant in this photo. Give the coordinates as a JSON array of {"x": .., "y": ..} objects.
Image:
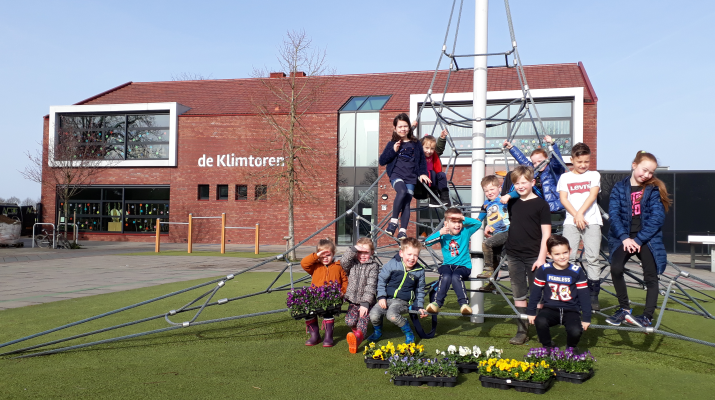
[
  {"x": 467, "y": 359},
  {"x": 315, "y": 300},
  {"x": 568, "y": 365},
  {"x": 415, "y": 371},
  {"x": 376, "y": 357},
  {"x": 522, "y": 376}
]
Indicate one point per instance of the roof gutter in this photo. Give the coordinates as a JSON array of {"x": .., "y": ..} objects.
[{"x": 588, "y": 82}]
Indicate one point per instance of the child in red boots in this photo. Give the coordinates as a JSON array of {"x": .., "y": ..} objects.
[
  {"x": 321, "y": 266},
  {"x": 362, "y": 271}
]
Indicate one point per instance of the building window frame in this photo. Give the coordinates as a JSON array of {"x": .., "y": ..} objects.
[
  {"x": 261, "y": 193},
  {"x": 219, "y": 196},
  {"x": 241, "y": 193},
  {"x": 203, "y": 197}
]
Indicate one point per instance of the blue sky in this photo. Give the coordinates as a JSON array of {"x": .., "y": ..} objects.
[{"x": 650, "y": 62}]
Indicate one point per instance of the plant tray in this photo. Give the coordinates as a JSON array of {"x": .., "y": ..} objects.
[
  {"x": 331, "y": 310},
  {"x": 372, "y": 363},
  {"x": 520, "y": 386},
  {"x": 577, "y": 378},
  {"x": 465, "y": 368},
  {"x": 429, "y": 380}
]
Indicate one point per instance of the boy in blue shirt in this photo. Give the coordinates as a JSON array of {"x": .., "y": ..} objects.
[
  {"x": 565, "y": 292},
  {"x": 457, "y": 264}
]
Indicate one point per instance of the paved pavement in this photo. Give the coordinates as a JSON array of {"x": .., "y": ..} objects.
[{"x": 33, "y": 276}]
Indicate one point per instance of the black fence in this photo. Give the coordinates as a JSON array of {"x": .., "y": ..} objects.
[{"x": 691, "y": 192}]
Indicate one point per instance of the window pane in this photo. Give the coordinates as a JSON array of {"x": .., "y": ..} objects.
[
  {"x": 203, "y": 192},
  {"x": 346, "y": 225},
  {"x": 145, "y": 225},
  {"x": 261, "y": 192},
  {"x": 353, "y": 104},
  {"x": 222, "y": 192},
  {"x": 241, "y": 192},
  {"x": 88, "y": 194},
  {"x": 112, "y": 194},
  {"x": 147, "y": 193},
  {"x": 153, "y": 135},
  {"x": 366, "y": 140},
  {"x": 147, "y": 209},
  {"x": 148, "y": 121},
  {"x": 553, "y": 110},
  {"x": 374, "y": 103},
  {"x": 141, "y": 150},
  {"x": 347, "y": 140}
]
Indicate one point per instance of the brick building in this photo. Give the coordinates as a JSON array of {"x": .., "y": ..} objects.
[{"x": 201, "y": 147}]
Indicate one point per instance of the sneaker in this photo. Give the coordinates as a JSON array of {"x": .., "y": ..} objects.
[
  {"x": 432, "y": 308},
  {"x": 486, "y": 274},
  {"x": 465, "y": 309},
  {"x": 488, "y": 288},
  {"x": 401, "y": 235},
  {"x": 618, "y": 317},
  {"x": 640, "y": 321},
  {"x": 391, "y": 228}
]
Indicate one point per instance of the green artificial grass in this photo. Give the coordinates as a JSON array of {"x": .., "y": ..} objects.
[
  {"x": 264, "y": 357},
  {"x": 239, "y": 254}
]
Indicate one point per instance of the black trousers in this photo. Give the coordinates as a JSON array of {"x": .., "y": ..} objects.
[
  {"x": 549, "y": 317},
  {"x": 650, "y": 277}
]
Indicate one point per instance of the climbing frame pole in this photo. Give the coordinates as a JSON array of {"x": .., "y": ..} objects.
[
  {"x": 223, "y": 233},
  {"x": 158, "y": 231},
  {"x": 191, "y": 216},
  {"x": 256, "y": 251}
]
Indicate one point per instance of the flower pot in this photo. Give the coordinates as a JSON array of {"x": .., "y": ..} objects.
[
  {"x": 429, "y": 380},
  {"x": 334, "y": 310},
  {"x": 465, "y": 368},
  {"x": 302, "y": 315},
  {"x": 533, "y": 387},
  {"x": 372, "y": 363},
  {"x": 521, "y": 386},
  {"x": 577, "y": 378}
]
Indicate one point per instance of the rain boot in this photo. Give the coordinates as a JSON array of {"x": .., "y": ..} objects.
[
  {"x": 376, "y": 334},
  {"x": 328, "y": 326},
  {"x": 354, "y": 339},
  {"x": 595, "y": 287},
  {"x": 311, "y": 326},
  {"x": 522, "y": 329},
  {"x": 409, "y": 336}
]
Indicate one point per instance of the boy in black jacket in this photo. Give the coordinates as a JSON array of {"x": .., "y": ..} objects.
[{"x": 566, "y": 295}]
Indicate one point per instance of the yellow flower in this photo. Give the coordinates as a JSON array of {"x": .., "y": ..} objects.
[
  {"x": 377, "y": 355},
  {"x": 489, "y": 369},
  {"x": 372, "y": 345},
  {"x": 516, "y": 374}
]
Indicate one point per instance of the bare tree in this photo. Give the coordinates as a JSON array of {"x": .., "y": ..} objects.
[
  {"x": 28, "y": 202},
  {"x": 189, "y": 76},
  {"x": 283, "y": 106},
  {"x": 13, "y": 200},
  {"x": 74, "y": 158}
]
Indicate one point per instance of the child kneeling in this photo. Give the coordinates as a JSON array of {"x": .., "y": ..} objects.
[
  {"x": 565, "y": 289},
  {"x": 321, "y": 266},
  {"x": 457, "y": 262},
  {"x": 362, "y": 271},
  {"x": 400, "y": 283}
]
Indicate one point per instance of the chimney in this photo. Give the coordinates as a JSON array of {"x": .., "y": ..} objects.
[
  {"x": 297, "y": 74},
  {"x": 278, "y": 75}
]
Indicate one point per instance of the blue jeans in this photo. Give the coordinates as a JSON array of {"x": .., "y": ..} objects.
[{"x": 452, "y": 275}]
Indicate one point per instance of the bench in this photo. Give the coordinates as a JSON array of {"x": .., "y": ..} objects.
[{"x": 699, "y": 239}]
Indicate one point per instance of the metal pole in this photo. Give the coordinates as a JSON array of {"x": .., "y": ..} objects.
[
  {"x": 223, "y": 233},
  {"x": 479, "y": 129},
  {"x": 256, "y": 250},
  {"x": 189, "y": 240}
]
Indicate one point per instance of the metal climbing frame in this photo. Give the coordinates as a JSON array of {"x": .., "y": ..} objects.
[{"x": 669, "y": 282}]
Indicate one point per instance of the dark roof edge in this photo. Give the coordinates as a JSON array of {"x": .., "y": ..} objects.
[
  {"x": 103, "y": 93},
  {"x": 588, "y": 82}
]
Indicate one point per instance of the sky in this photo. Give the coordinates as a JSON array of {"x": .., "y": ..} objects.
[{"x": 650, "y": 62}]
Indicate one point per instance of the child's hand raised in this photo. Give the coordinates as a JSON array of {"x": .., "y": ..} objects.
[
  {"x": 397, "y": 146},
  {"x": 507, "y": 144},
  {"x": 548, "y": 139},
  {"x": 443, "y": 134},
  {"x": 426, "y": 178},
  {"x": 324, "y": 253},
  {"x": 444, "y": 230}
]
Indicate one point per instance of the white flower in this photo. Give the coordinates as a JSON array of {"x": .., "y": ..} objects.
[
  {"x": 437, "y": 351},
  {"x": 476, "y": 351},
  {"x": 443, "y": 354},
  {"x": 451, "y": 349},
  {"x": 462, "y": 351}
]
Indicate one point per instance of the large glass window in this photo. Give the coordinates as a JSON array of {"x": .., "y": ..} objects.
[
  {"x": 557, "y": 117},
  {"x": 115, "y": 137},
  {"x": 118, "y": 209}
]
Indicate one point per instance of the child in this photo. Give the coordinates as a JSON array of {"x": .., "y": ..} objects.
[
  {"x": 565, "y": 292},
  {"x": 434, "y": 171},
  {"x": 322, "y": 268},
  {"x": 637, "y": 212},
  {"x": 548, "y": 174},
  {"x": 497, "y": 220},
  {"x": 362, "y": 271},
  {"x": 405, "y": 162},
  {"x": 457, "y": 264},
  {"x": 400, "y": 282},
  {"x": 529, "y": 228},
  {"x": 578, "y": 191}
]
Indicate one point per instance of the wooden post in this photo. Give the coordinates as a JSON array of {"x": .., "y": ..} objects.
[
  {"x": 158, "y": 230},
  {"x": 189, "y": 240},
  {"x": 256, "y": 251},
  {"x": 223, "y": 233}
]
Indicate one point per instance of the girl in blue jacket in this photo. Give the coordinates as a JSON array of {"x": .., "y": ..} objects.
[
  {"x": 406, "y": 163},
  {"x": 637, "y": 212}
]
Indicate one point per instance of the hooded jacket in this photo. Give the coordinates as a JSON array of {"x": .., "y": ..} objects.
[
  {"x": 549, "y": 178},
  {"x": 362, "y": 278}
]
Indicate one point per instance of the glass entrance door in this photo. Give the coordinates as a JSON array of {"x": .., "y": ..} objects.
[{"x": 350, "y": 229}]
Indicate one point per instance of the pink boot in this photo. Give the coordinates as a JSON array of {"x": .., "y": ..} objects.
[
  {"x": 311, "y": 326},
  {"x": 328, "y": 326},
  {"x": 354, "y": 339}
]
